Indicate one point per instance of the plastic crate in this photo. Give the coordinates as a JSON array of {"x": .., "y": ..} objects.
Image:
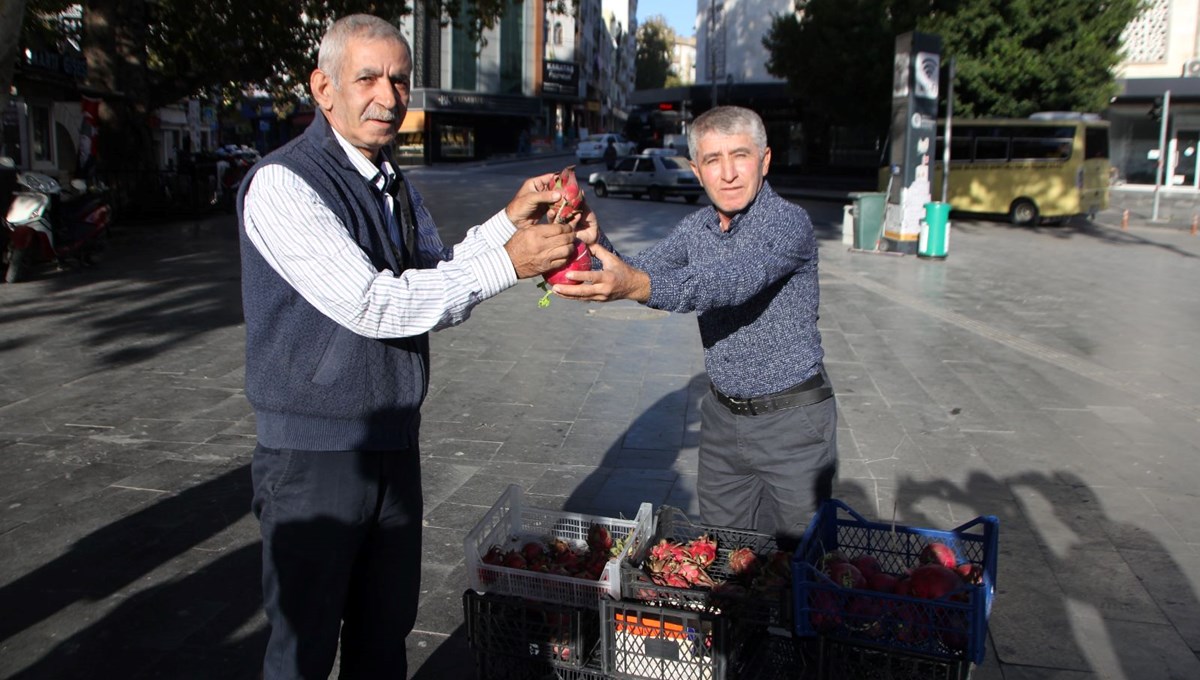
[
  {"x": 542, "y": 632},
  {"x": 951, "y": 627},
  {"x": 840, "y": 660},
  {"x": 777, "y": 657},
  {"x": 648, "y": 642},
  {"x": 510, "y": 524},
  {"x": 773, "y": 608}
]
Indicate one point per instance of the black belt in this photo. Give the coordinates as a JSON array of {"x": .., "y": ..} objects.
[{"x": 811, "y": 391}]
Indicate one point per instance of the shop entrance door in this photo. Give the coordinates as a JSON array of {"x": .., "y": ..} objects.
[{"x": 1187, "y": 159}]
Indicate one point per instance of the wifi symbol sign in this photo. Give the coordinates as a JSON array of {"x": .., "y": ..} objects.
[{"x": 926, "y": 81}]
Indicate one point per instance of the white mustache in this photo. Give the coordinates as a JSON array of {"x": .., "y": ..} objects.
[{"x": 377, "y": 112}]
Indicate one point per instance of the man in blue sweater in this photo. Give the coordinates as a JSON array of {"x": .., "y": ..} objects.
[
  {"x": 343, "y": 277},
  {"x": 748, "y": 267}
]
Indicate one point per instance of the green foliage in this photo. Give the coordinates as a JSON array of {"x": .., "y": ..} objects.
[
  {"x": 1013, "y": 57},
  {"x": 655, "y": 40}
]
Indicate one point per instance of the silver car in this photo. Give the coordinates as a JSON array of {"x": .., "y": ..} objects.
[
  {"x": 654, "y": 175},
  {"x": 592, "y": 147}
]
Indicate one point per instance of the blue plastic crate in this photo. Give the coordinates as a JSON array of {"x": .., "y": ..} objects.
[{"x": 952, "y": 627}]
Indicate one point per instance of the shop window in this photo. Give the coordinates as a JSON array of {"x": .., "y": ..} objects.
[{"x": 457, "y": 141}]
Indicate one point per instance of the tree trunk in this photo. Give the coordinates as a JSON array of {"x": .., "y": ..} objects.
[
  {"x": 114, "y": 44},
  {"x": 12, "y": 18}
]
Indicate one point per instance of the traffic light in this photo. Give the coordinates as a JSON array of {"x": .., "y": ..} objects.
[{"x": 1155, "y": 111}]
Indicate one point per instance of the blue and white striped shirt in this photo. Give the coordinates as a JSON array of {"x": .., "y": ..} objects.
[{"x": 305, "y": 241}]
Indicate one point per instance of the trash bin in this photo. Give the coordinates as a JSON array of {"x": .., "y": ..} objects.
[
  {"x": 868, "y": 219},
  {"x": 935, "y": 231}
]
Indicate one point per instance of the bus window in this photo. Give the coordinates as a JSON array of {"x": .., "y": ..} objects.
[
  {"x": 991, "y": 149},
  {"x": 1095, "y": 143},
  {"x": 1048, "y": 148}
]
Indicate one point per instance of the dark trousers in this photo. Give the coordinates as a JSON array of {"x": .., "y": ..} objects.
[
  {"x": 769, "y": 472},
  {"x": 341, "y": 534}
]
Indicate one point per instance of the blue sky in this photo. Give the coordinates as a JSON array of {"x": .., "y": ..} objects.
[{"x": 680, "y": 14}]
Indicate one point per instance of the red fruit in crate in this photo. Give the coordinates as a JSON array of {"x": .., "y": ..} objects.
[
  {"x": 951, "y": 625},
  {"x": 494, "y": 556},
  {"x": 829, "y": 559},
  {"x": 533, "y": 552},
  {"x": 598, "y": 539},
  {"x": 910, "y": 623},
  {"x": 866, "y": 565},
  {"x": 938, "y": 553},
  {"x": 865, "y": 615},
  {"x": 515, "y": 560},
  {"x": 903, "y": 586},
  {"x": 970, "y": 573},
  {"x": 702, "y": 551},
  {"x": 931, "y": 581},
  {"x": 847, "y": 575},
  {"x": 743, "y": 561},
  {"x": 882, "y": 582},
  {"x": 826, "y": 610}
]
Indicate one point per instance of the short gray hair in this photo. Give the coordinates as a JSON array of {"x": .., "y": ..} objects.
[
  {"x": 727, "y": 120},
  {"x": 333, "y": 45}
]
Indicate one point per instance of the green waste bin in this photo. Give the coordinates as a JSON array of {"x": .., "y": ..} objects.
[
  {"x": 868, "y": 219},
  {"x": 935, "y": 232}
]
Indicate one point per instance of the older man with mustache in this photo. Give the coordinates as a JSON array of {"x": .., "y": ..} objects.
[{"x": 343, "y": 277}]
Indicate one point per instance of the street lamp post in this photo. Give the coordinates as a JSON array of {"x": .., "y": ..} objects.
[{"x": 712, "y": 51}]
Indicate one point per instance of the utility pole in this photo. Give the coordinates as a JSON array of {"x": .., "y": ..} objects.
[{"x": 1162, "y": 151}]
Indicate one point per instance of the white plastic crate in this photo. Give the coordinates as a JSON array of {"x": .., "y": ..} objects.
[{"x": 510, "y": 525}]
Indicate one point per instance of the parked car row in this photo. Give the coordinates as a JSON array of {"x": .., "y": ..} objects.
[{"x": 655, "y": 175}]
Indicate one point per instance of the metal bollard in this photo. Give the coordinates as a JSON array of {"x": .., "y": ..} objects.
[
  {"x": 1125, "y": 221},
  {"x": 1195, "y": 223}
]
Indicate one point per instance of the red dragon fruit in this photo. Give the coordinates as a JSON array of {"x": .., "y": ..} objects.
[
  {"x": 572, "y": 195},
  {"x": 580, "y": 262},
  {"x": 702, "y": 551},
  {"x": 743, "y": 561}
]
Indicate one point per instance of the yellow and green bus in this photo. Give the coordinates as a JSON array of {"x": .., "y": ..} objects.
[{"x": 1047, "y": 167}]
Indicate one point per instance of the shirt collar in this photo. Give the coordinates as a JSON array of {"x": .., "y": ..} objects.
[{"x": 381, "y": 176}]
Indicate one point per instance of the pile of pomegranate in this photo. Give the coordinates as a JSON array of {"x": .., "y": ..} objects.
[
  {"x": 559, "y": 557},
  {"x": 938, "y": 574}
]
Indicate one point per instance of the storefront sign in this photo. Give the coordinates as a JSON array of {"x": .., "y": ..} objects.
[
  {"x": 560, "y": 77},
  {"x": 69, "y": 65}
]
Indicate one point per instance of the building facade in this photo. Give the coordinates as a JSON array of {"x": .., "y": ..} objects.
[{"x": 1160, "y": 74}]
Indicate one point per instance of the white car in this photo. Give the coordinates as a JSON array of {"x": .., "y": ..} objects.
[{"x": 592, "y": 147}]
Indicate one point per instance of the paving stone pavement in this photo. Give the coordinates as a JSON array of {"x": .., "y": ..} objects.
[{"x": 1045, "y": 376}]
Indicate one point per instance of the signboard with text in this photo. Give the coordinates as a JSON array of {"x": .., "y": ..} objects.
[
  {"x": 560, "y": 78},
  {"x": 917, "y": 68}
]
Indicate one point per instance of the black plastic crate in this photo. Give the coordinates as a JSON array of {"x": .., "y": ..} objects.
[
  {"x": 841, "y": 660},
  {"x": 499, "y": 667},
  {"x": 769, "y": 606},
  {"x": 649, "y": 642},
  {"x": 540, "y": 635},
  {"x": 775, "y": 657}
]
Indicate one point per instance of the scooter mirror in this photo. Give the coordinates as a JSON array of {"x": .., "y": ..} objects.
[
  {"x": 78, "y": 186},
  {"x": 6, "y": 162}
]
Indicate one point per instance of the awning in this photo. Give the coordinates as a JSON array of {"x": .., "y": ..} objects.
[{"x": 414, "y": 121}]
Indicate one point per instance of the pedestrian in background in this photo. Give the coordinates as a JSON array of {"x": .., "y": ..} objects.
[
  {"x": 610, "y": 154},
  {"x": 343, "y": 276},
  {"x": 748, "y": 267}
]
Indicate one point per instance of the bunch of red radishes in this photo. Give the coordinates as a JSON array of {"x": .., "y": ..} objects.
[
  {"x": 938, "y": 574},
  {"x": 557, "y": 556}
]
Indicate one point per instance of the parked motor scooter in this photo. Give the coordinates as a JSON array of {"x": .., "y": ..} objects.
[{"x": 44, "y": 224}]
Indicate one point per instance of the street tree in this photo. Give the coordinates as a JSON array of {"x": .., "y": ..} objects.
[
  {"x": 149, "y": 53},
  {"x": 1013, "y": 57},
  {"x": 655, "y": 40}
]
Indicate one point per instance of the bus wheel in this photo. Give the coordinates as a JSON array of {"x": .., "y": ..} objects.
[
  {"x": 1023, "y": 212},
  {"x": 600, "y": 190}
]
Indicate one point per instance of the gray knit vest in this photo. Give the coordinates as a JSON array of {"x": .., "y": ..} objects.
[{"x": 316, "y": 385}]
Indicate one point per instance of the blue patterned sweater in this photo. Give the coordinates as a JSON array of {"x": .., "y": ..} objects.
[{"x": 753, "y": 288}]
